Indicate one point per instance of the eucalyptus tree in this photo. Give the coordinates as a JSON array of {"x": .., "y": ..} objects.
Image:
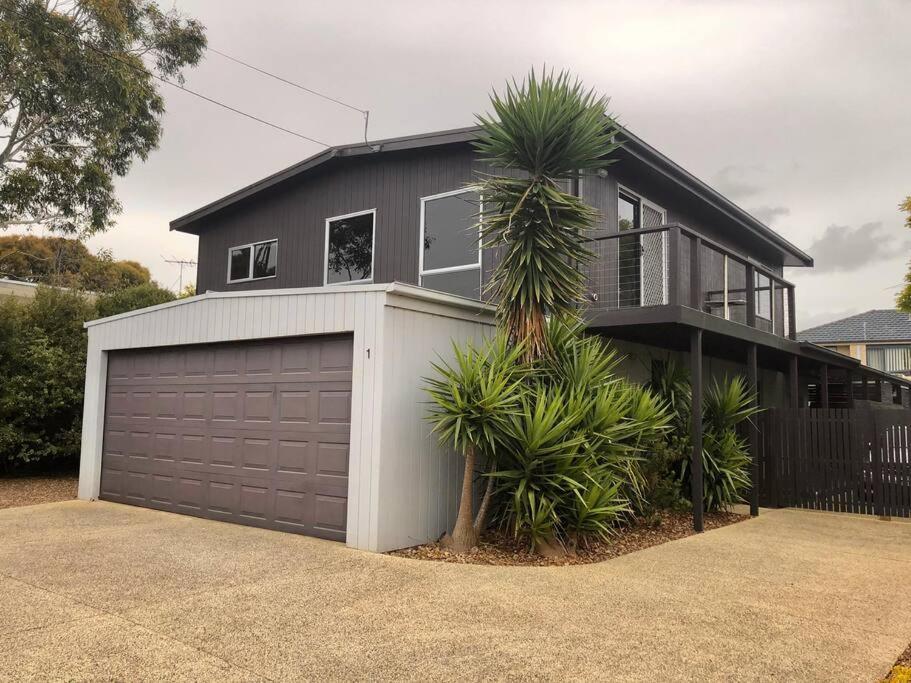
[
  {"x": 79, "y": 102},
  {"x": 550, "y": 129}
]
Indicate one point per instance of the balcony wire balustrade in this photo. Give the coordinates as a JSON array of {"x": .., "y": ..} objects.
[{"x": 653, "y": 266}]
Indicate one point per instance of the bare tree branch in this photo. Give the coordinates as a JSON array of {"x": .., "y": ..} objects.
[
  {"x": 43, "y": 125},
  {"x": 8, "y": 150}
]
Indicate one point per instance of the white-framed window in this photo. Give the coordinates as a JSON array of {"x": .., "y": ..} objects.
[
  {"x": 349, "y": 248},
  {"x": 254, "y": 261},
  {"x": 450, "y": 244}
]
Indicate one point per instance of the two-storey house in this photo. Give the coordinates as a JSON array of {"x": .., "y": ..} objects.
[{"x": 288, "y": 394}]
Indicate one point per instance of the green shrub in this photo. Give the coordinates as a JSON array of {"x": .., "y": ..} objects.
[
  {"x": 576, "y": 449},
  {"x": 661, "y": 489},
  {"x": 564, "y": 433},
  {"x": 132, "y": 298},
  {"x": 42, "y": 374},
  {"x": 725, "y": 454}
]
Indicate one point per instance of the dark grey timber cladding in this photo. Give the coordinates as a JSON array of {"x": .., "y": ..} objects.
[
  {"x": 295, "y": 209},
  {"x": 295, "y": 213},
  {"x": 255, "y": 433}
]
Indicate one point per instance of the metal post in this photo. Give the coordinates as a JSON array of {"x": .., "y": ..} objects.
[
  {"x": 824, "y": 386},
  {"x": 849, "y": 384},
  {"x": 879, "y": 390},
  {"x": 696, "y": 427},
  {"x": 753, "y": 378}
]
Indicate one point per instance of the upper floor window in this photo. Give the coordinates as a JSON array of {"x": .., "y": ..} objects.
[
  {"x": 634, "y": 212},
  {"x": 890, "y": 357},
  {"x": 252, "y": 261},
  {"x": 349, "y": 247},
  {"x": 628, "y": 212},
  {"x": 450, "y": 253}
]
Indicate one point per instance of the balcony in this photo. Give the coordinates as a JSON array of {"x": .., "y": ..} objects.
[{"x": 676, "y": 267}]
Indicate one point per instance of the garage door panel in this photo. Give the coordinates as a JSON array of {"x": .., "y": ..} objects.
[
  {"x": 330, "y": 513},
  {"x": 227, "y": 361},
  {"x": 197, "y": 362},
  {"x": 196, "y": 405},
  {"x": 162, "y": 489},
  {"x": 223, "y": 496},
  {"x": 256, "y": 502},
  {"x": 293, "y": 510},
  {"x": 226, "y": 405},
  {"x": 298, "y": 360},
  {"x": 334, "y": 407},
  {"x": 112, "y": 483},
  {"x": 332, "y": 459},
  {"x": 190, "y": 492},
  {"x": 259, "y": 361},
  {"x": 336, "y": 357},
  {"x": 166, "y": 446},
  {"x": 136, "y": 484},
  {"x": 256, "y": 433}
]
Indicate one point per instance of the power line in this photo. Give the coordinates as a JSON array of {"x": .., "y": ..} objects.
[
  {"x": 285, "y": 80},
  {"x": 142, "y": 69},
  {"x": 269, "y": 74}
]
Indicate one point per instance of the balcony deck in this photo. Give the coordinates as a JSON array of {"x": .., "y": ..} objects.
[{"x": 670, "y": 275}]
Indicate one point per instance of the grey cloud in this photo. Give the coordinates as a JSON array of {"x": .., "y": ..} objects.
[
  {"x": 845, "y": 249},
  {"x": 768, "y": 214},
  {"x": 737, "y": 182}
]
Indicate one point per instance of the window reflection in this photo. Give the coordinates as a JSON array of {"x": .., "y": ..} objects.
[{"x": 350, "y": 254}]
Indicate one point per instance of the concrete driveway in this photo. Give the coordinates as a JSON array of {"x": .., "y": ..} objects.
[{"x": 99, "y": 590}]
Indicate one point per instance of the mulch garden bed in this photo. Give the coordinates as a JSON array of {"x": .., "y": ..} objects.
[
  {"x": 19, "y": 491},
  {"x": 905, "y": 659},
  {"x": 502, "y": 549},
  {"x": 901, "y": 672}
]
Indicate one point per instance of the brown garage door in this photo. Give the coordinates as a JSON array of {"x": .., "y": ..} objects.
[{"x": 254, "y": 432}]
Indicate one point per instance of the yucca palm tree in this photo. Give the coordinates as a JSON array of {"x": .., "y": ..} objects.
[
  {"x": 551, "y": 129},
  {"x": 473, "y": 398}
]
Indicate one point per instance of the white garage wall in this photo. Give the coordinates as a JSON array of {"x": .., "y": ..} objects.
[
  {"x": 402, "y": 486},
  {"x": 425, "y": 477}
]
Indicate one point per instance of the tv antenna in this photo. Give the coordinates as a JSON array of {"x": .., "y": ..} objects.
[{"x": 182, "y": 264}]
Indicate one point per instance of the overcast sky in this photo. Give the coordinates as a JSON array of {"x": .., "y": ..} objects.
[{"x": 797, "y": 111}]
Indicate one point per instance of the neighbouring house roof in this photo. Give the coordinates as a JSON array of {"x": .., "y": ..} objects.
[
  {"x": 878, "y": 325},
  {"x": 634, "y": 145}
]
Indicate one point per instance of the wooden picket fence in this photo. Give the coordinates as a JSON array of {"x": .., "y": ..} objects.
[{"x": 841, "y": 460}]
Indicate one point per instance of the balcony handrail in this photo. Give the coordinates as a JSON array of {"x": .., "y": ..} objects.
[{"x": 690, "y": 232}]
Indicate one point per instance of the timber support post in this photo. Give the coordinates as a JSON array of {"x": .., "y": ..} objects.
[
  {"x": 753, "y": 379},
  {"x": 696, "y": 428}
]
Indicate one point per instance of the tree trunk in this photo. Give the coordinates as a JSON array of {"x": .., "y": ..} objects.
[
  {"x": 481, "y": 519},
  {"x": 550, "y": 547},
  {"x": 464, "y": 537}
]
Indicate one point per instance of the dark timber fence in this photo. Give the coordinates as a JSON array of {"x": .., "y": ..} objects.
[{"x": 842, "y": 460}]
